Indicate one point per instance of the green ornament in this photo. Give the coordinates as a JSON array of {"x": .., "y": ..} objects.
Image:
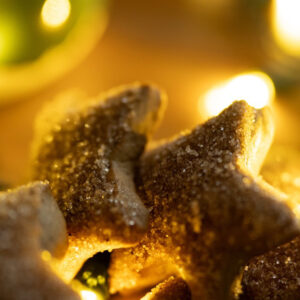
[
  {"x": 40, "y": 40},
  {"x": 29, "y": 28}
]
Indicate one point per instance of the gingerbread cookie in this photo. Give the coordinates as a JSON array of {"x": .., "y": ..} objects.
[
  {"x": 171, "y": 289},
  {"x": 87, "y": 150},
  {"x": 210, "y": 211},
  {"x": 23, "y": 273}
]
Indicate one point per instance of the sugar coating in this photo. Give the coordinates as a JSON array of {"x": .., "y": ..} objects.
[
  {"x": 87, "y": 150},
  {"x": 171, "y": 289},
  {"x": 276, "y": 274},
  {"x": 209, "y": 211},
  {"x": 23, "y": 273}
]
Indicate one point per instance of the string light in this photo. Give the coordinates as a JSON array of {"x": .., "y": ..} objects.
[
  {"x": 87, "y": 292},
  {"x": 55, "y": 12},
  {"x": 286, "y": 24},
  {"x": 88, "y": 295},
  {"x": 256, "y": 88}
]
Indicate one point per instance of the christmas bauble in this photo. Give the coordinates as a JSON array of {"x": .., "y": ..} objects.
[{"x": 41, "y": 39}]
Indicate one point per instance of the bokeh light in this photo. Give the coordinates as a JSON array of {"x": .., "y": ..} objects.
[
  {"x": 2, "y": 43},
  {"x": 286, "y": 24},
  {"x": 55, "y": 12},
  {"x": 87, "y": 292},
  {"x": 88, "y": 295},
  {"x": 9, "y": 37},
  {"x": 256, "y": 88}
]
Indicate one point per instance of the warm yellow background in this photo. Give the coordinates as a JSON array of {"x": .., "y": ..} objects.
[{"x": 182, "y": 46}]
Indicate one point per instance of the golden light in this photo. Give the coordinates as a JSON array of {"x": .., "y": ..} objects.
[
  {"x": 292, "y": 184},
  {"x": 55, "y": 12},
  {"x": 256, "y": 88},
  {"x": 46, "y": 256},
  {"x": 2, "y": 44},
  {"x": 286, "y": 24},
  {"x": 3, "y": 39},
  {"x": 85, "y": 292},
  {"x": 9, "y": 36},
  {"x": 88, "y": 295}
]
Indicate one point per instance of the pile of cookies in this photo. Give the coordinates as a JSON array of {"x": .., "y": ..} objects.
[{"x": 187, "y": 217}]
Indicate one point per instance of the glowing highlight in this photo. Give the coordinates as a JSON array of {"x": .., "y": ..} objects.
[
  {"x": 2, "y": 41},
  {"x": 55, "y": 12},
  {"x": 9, "y": 38},
  {"x": 286, "y": 24},
  {"x": 88, "y": 295},
  {"x": 256, "y": 88}
]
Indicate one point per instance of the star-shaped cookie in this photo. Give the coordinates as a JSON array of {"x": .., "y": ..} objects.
[
  {"x": 23, "y": 273},
  {"x": 87, "y": 150},
  {"x": 171, "y": 289},
  {"x": 276, "y": 274},
  {"x": 210, "y": 212}
]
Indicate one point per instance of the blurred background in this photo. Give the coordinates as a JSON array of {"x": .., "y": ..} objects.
[
  {"x": 204, "y": 54},
  {"x": 187, "y": 47}
]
